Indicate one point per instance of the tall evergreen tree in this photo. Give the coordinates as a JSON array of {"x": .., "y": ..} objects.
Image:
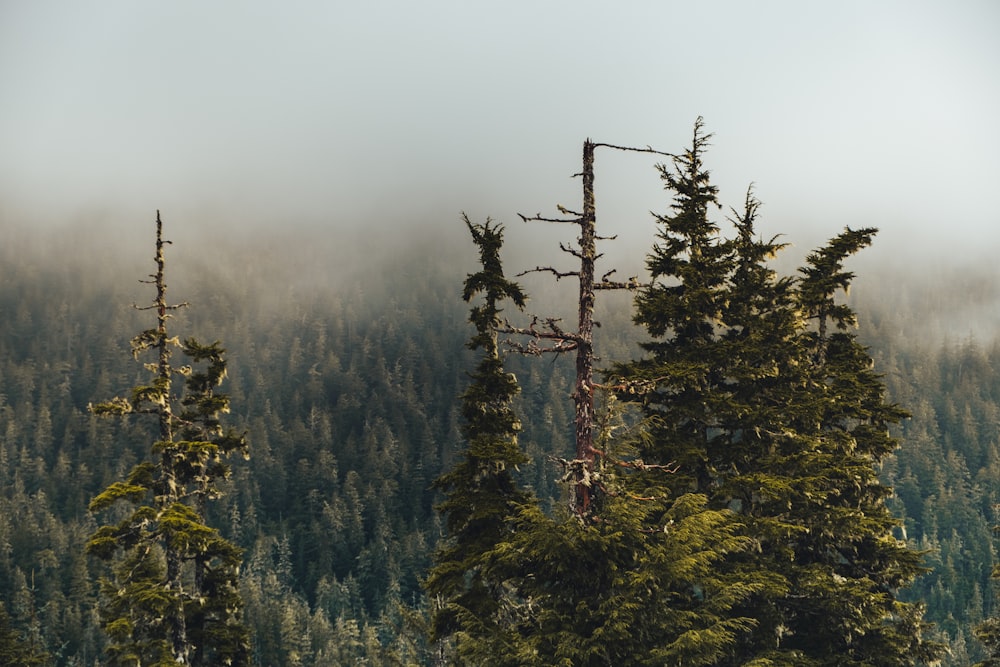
[
  {"x": 173, "y": 595},
  {"x": 481, "y": 493},
  {"x": 850, "y": 564},
  {"x": 780, "y": 421}
]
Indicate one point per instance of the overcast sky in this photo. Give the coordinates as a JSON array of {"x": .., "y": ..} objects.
[{"x": 399, "y": 115}]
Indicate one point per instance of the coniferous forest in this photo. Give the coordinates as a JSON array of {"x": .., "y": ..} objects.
[{"x": 306, "y": 451}]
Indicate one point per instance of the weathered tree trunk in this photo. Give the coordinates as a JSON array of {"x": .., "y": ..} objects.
[
  {"x": 169, "y": 491},
  {"x": 580, "y": 471},
  {"x": 583, "y": 394}
]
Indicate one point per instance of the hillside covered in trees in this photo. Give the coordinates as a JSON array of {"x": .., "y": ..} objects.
[{"x": 347, "y": 381}]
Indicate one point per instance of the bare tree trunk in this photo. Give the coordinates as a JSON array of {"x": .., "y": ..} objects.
[
  {"x": 583, "y": 395},
  {"x": 579, "y": 471}
]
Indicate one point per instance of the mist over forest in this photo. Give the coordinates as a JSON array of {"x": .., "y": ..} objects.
[
  {"x": 347, "y": 353},
  {"x": 942, "y": 293}
]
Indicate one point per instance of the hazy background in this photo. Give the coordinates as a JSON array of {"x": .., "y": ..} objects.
[{"x": 395, "y": 116}]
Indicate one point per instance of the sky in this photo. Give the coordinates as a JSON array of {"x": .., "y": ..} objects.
[{"x": 392, "y": 117}]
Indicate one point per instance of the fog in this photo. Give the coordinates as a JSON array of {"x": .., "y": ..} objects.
[{"x": 369, "y": 125}]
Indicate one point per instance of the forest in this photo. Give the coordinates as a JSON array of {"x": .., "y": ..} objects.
[{"x": 353, "y": 371}]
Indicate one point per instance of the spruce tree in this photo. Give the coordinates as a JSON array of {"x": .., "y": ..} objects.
[
  {"x": 848, "y": 563},
  {"x": 988, "y": 630},
  {"x": 472, "y": 605},
  {"x": 172, "y": 598},
  {"x": 768, "y": 406}
]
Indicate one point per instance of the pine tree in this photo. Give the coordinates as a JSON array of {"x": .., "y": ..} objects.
[
  {"x": 779, "y": 421},
  {"x": 851, "y": 565},
  {"x": 481, "y": 493},
  {"x": 173, "y": 595}
]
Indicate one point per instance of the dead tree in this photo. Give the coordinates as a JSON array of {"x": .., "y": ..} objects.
[{"x": 546, "y": 335}]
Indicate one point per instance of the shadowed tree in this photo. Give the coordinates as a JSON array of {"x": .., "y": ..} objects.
[{"x": 215, "y": 627}]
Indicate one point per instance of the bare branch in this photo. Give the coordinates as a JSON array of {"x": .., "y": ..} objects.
[
  {"x": 534, "y": 349},
  {"x": 571, "y": 250},
  {"x": 633, "y": 386},
  {"x": 566, "y": 211},
  {"x": 549, "y": 269},
  {"x": 553, "y": 332},
  {"x": 670, "y": 468},
  {"x": 539, "y": 218},
  {"x": 577, "y": 471},
  {"x": 553, "y": 324},
  {"x": 647, "y": 149},
  {"x": 562, "y": 341},
  {"x": 176, "y": 306}
]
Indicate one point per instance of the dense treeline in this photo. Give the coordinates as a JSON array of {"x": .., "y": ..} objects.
[
  {"x": 946, "y": 473},
  {"x": 347, "y": 386},
  {"x": 348, "y": 396}
]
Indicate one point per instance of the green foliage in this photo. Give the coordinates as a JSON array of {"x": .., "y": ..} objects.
[
  {"x": 480, "y": 491},
  {"x": 988, "y": 631},
  {"x": 638, "y": 587},
  {"x": 133, "y": 490},
  {"x": 173, "y": 595},
  {"x": 137, "y": 609},
  {"x": 783, "y": 424}
]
